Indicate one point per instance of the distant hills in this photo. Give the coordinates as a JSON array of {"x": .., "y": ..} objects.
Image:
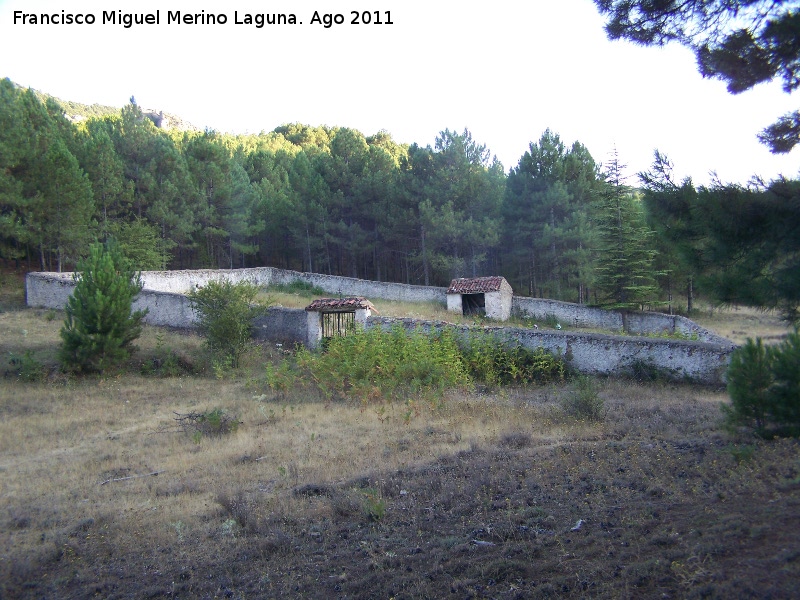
[{"x": 76, "y": 112}]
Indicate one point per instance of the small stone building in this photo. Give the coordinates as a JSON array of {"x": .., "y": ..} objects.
[
  {"x": 485, "y": 296},
  {"x": 329, "y": 317}
]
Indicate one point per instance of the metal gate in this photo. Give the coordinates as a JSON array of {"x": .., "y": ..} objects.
[{"x": 338, "y": 323}]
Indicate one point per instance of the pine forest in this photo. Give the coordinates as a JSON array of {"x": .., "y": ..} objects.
[{"x": 560, "y": 224}]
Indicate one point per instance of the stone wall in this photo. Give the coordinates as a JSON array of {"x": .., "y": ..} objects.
[
  {"x": 703, "y": 360},
  {"x": 632, "y": 322},
  {"x": 184, "y": 281},
  {"x": 287, "y": 326},
  {"x": 48, "y": 290},
  {"x": 52, "y": 289},
  {"x": 166, "y": 309},
  {"x": 598, "y": 354}
]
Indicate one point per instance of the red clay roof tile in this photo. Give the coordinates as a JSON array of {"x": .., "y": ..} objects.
[
  {"x": 475, "y": 285},
  {"x": 340, "y": 305}
]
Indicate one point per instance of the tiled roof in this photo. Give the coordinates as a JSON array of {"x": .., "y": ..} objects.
[
  {"x": 475, "y": 285},
  {"x": 339, "y": 305}
]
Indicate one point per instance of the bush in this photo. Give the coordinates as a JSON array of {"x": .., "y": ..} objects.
[
  {"x": 377, "y": 365},
  {"x": 165, "y": 362},
  {"x": 26, "y": 367},
  {"x": 99, "y": 328},
  {"x": 764, "y": 386},
  {"x": 225, "y": 313},
  {"x": 493, "y": 361},
  {"x": 584, "y": 402}
]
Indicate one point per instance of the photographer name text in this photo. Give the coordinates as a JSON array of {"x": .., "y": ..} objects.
[{"x": 177, "y": 17}]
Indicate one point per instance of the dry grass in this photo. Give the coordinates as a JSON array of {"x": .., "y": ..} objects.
[
  {"x": 476, "y": 498},
  {"x": 431, "y": 311},
  {"x": 733, "y": 323},
  {"x": 739, "y": 323}
]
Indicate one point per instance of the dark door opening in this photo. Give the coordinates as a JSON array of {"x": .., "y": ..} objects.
[{"x": 473, "y": 304}]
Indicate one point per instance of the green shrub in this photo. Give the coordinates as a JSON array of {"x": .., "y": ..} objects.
[
  {"x": 741, "y": 454},
  {"x": 584, "y": 402},
  {"x": 165, "y": 362},
  {"x": 26, "y": 366},
  {"x": 764, "y": 386},
  {"x": 99, "y": 328},
  {"x": 378, "y": 365},
  {"x": 282, "y": 377},
  {"x": 374, "y": 504},
  {"x": 225, "y": 313},
  {"x": 493, "y": 361}
]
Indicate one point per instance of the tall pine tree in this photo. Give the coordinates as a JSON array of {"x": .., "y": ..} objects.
[{"x": 625, "y": 277}]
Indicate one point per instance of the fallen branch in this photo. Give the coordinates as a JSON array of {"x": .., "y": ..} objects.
[
  {"x": 213, "y": 422},
  {"x": 153, "y": 474}
]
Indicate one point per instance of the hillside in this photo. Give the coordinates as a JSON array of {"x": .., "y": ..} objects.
[{"x": 77, "y": 112}]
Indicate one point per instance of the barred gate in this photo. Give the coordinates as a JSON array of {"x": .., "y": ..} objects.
[{"x": 338, "y": 323}]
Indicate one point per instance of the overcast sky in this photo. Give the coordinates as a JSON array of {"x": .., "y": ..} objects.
[{"x": 506, "y": 70}]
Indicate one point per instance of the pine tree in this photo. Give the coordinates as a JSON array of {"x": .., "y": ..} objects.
[
  {"x": 62, "y": 210},
  {"x": 764, "y": 386},
  {"x": 99, "y": 328},
  {"x": 625, "y": 277},
  {"x": 13, "y": 234},
  {"x": 546, "y": 216}
]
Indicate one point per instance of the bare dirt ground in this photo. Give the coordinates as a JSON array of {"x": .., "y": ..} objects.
[{"x": 495, "y": 494}]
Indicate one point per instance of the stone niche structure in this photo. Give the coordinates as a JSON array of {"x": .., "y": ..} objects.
[
  {"x": 484, "y": 296},
  {"x": 329, "y": 317}
]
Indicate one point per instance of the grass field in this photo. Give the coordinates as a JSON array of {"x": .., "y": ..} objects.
[{"x": 494, "y": 494}]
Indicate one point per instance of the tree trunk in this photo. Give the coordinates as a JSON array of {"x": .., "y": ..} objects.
[{"x": 424, "y": 256}]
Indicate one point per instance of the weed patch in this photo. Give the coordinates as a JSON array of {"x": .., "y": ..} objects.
[
  {"x": 584, "y": 402},
  {"x": 494, "y": 361},
  {"x": 374, "y": 366},
  {"x": 26, "y": 367}
]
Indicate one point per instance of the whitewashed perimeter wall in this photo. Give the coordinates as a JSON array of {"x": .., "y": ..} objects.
[
  {"x": 599, "y": 354},
  {"x": 633, "y": 322},
  {"x": 183, "y": 281},
  {"x": 52, "y": 289},
  {"x": 704, "y": 360}
]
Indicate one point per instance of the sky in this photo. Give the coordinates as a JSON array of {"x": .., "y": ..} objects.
[{"x": 505, "y": 70}]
